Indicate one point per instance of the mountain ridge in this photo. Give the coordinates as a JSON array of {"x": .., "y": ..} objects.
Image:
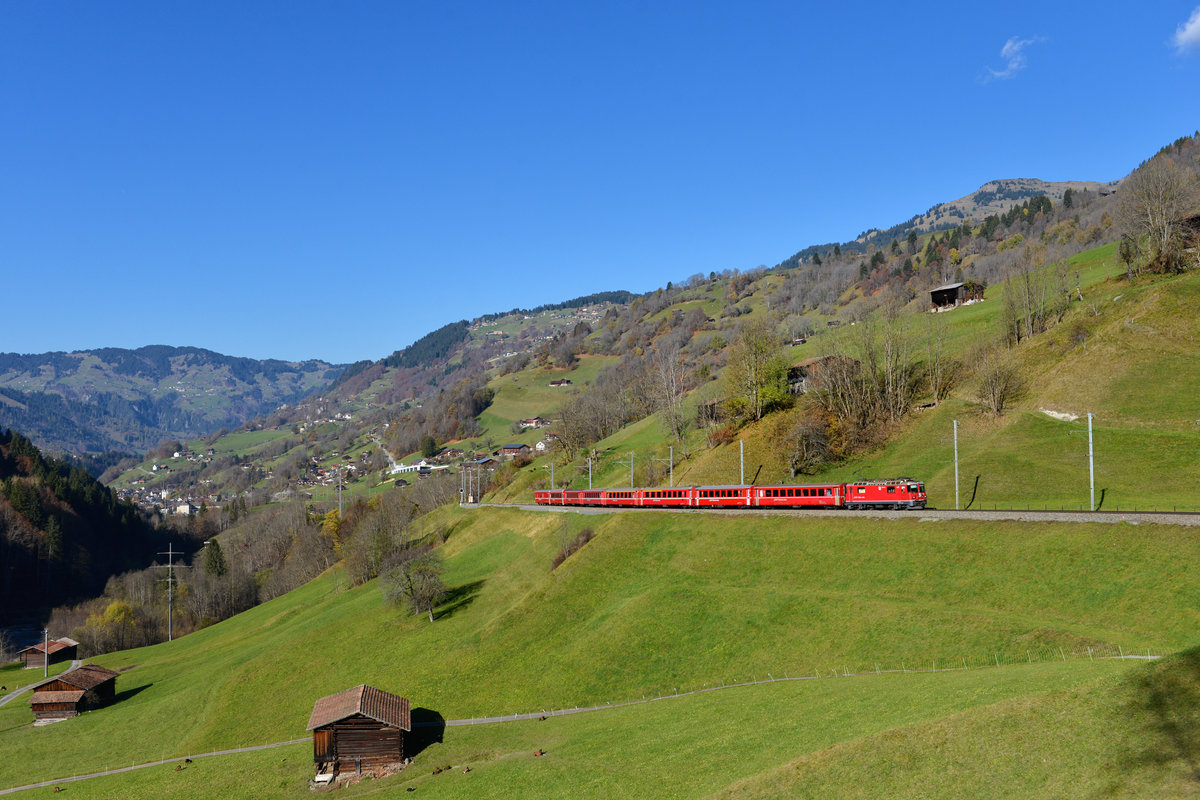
[{"x": 129, "y": 400}]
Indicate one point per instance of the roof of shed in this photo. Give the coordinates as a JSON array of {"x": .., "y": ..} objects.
[
  {"x": 89, "y": 676},
  {"x": 56, "y": 697},
  {"x": 366, "y": 700},
  {"x": 947, "y": 286},
  {"x": 54, "y": 646}
]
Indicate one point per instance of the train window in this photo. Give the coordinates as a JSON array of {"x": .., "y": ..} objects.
[
  {"x": 891, "y": 489},
  {"x": 861, "y": 489}
]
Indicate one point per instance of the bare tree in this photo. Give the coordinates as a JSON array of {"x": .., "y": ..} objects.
[
  {"x": 756, "y": 371},
  {"x": 941, "y": 370},
  {"x": 804, "y": 441},
  {"x": 1000, "y": 381},
  {"x": 669, "y": 375},
  {"x": 417, "y": 579},
  {"x": 1153, "y": 202}
]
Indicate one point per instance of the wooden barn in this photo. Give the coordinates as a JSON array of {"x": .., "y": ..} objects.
[
  {"x": 361, "y": 729},
  {"x": 58, "y": 650},
  {"x": 807, "y": 375},
  {"x": 72, "y": 693}
]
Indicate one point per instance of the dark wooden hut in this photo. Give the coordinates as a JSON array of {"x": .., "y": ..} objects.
[
  {"x": 73, "y": 692},
  {"x": 807, "y": 375},
  {"x": 948, "y": 296},
  {"x": 58, "y": 649},
  {"x": 361, "y": 729}
]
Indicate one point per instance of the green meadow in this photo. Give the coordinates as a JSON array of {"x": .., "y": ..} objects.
[{"x": 654, "y": 604}]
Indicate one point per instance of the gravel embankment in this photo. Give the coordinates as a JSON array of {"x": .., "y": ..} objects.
[{"x": 925, "y": 515}]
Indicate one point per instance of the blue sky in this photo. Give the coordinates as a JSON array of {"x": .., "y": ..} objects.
[{"x": 333, "y": 180}]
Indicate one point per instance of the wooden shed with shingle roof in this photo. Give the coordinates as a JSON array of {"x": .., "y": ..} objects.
[
  {"x": 71, "y": 693},
  {"x": 362, "y": 728},
  {"x": 59, "y": 649}
]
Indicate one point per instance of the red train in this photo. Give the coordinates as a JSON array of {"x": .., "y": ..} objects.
[{"x": 895, "y": 493}]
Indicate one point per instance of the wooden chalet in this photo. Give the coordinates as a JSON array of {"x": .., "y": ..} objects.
[
  {"x": 361, "y": 729},
  {"x": 71, "y": 693},
  {"x": 56, "y": 650},
  {"x": 514, "y": 450}
]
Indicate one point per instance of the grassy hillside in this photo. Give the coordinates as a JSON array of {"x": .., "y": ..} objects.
[
  {"x": 692, "y": 746},
  {"x": 1125, "y": 354},
  {"x": 1128, "y": 735},
  {"x": 653, "y": 604}
]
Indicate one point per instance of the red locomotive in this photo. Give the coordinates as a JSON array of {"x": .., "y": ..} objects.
[{"x": 896, "y": 493}]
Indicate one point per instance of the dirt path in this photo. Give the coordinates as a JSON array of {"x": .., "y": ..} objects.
[{"x": 76, "y": 664}]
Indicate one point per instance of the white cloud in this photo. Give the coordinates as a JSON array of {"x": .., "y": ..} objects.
[
  {"x": 1187, "y": 35},
  {"x": 1013, "y": 54}
]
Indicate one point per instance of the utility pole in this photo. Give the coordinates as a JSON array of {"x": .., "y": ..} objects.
[
  {"x": 45, "y": 652},
  {"x": 170, "y": 579},
  {"x": 589, "y": 469},
  {"x": 551, "y": 468},
  {"x": 340, "y": 514},
  {"x": 1091, "y": 467},
  {"x": 742, "y": 461},
  {"x": 956, "y": 465},
  {"x": 1091, "y": 464},
  {"x": 630, "y": 468},
  {"x": 670, "y": 461}
]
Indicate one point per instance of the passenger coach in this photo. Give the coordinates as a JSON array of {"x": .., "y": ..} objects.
[{"x": 895, "y": 493}]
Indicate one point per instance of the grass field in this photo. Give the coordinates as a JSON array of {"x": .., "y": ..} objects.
[
  {"x": 655, "y": 603},
  {"x": 691, "y": 746},
  {"x": 528, "y": 393}
]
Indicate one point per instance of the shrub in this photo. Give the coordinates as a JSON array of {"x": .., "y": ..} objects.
[{"x": 572, "y": 547}]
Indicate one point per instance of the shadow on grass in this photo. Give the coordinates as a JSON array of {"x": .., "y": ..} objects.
[
  {"x": 457, "y": 599},
  {"x": 974, "y": 491},
  {"x": 1100, "y": 505},
  {"x": 428, "y": 727},
  {"x": 125, "y": 694},
  {"x": 1166, "y": 700}
]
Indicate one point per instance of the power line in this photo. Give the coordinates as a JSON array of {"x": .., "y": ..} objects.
[{"x": 170, "y": 579}]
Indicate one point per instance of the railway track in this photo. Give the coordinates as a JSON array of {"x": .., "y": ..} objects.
[{"x": 1138, "y": 517}]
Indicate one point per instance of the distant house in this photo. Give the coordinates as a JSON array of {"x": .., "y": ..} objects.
[
  {"x": 542, "y": 446},
  {"x": 807, "y": 375},
  {"x": 71, "y": 693},
  {"x": 488, "y": 463},
  {"x": 359, "y": 729},
  {"x": 948, "y": 296},
  {"x": 59, "y": 650},
  {"x": 534, "y": 422},
  {"x": 514, "y": 450},
  {"x": 711, "y": 413},
  {"x": 955, "y": 294},
  {"x": 561, "y": 382}
]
